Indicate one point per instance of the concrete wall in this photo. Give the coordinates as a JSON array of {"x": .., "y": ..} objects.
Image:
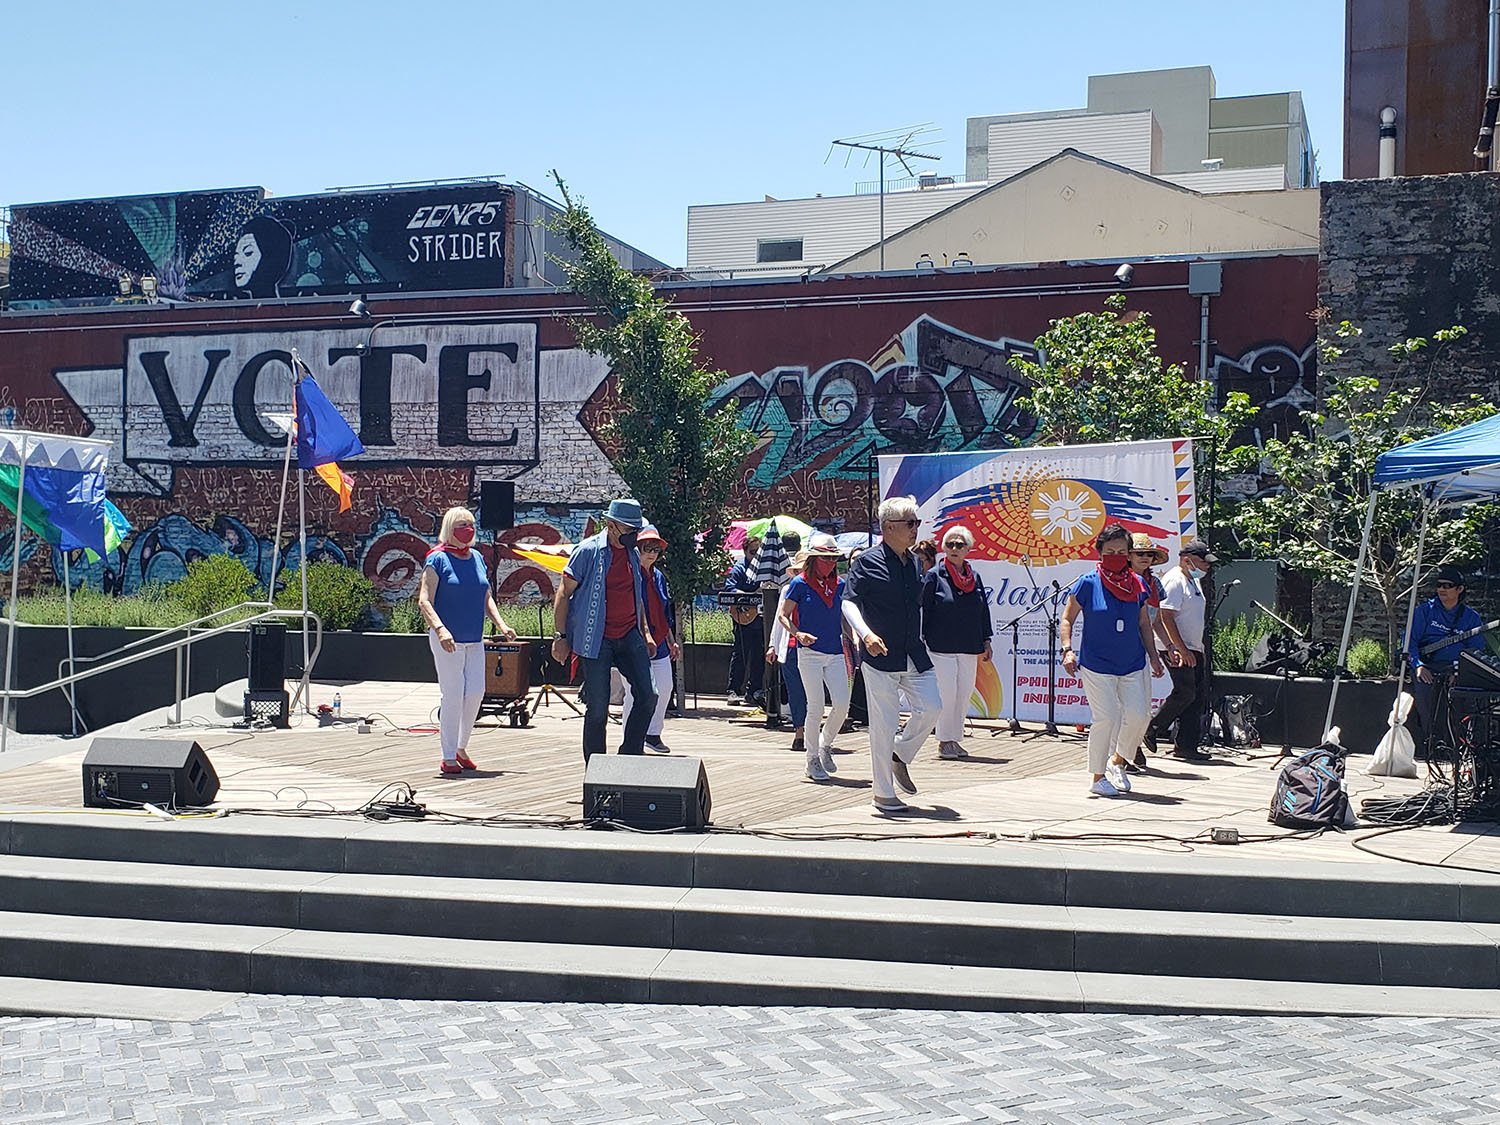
[{"x": 1406, "y": 256}]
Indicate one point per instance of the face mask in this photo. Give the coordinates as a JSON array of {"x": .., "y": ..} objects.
[
  {"x": 463, "y": 536},
  {"x": 1114, "y": 563},
  {"x": 628, "y": 538}
]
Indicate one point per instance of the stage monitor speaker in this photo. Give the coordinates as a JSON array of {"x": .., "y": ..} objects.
[
  {"x": 130, "y": 772},
  {"x": 1478, "y": 670},
  {"x": 497, "y": 505},
  {"x": 642, "y": 792},
  {"x": 507, "y": 669},
  {"x": 267, "y": 649}
]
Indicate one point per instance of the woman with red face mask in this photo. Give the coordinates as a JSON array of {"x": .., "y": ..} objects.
[
  {"x": 454, "y": 600},
  {"x": 1116, "y": 646},
  {"x": 812, "y": 610}
]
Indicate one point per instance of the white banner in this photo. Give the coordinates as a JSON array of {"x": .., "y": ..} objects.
[{"x": 1034, "y": 514}]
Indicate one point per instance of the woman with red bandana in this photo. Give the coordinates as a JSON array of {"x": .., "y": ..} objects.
[
  {"x": 454, "y": 600},
  {"x": 1116, "y": 646},
  {"x": 956, "y": 626},
  {"x": 812, "y": 610}
]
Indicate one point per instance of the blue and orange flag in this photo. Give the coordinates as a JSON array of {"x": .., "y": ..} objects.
[{"x": 324, "y": 439}]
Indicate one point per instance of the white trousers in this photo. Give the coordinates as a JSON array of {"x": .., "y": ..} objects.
[
  {"x": 661, "y": 676},
  {"x": 819, "y": 670},
  {"x": 955, "y": 676},
  {"x": 1120, "y": 708},
  {"x": 460, "y": 676},
  {"x": 881, "y": 688}
]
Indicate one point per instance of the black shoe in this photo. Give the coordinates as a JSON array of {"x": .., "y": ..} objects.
[
  {"x": 798, "y": 745},
  {"x": 1192, "y": 756},
  {"x": 1150, "y": 745},
  {"x": 1138, "y": 765},
  {"x": 903, "y": 776}
]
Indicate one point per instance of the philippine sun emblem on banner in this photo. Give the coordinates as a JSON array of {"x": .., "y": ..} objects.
[{"x": 1034, "y": 514}]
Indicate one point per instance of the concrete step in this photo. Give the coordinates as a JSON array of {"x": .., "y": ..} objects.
[
  {"x": 48, "y": 952},
  {"x": 999, "y": 872},
  {"x": 32, "y": 996},
  {"x": 1392, "y": 952}
]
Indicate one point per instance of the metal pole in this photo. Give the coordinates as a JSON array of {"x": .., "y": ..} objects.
[
  {"x": 15, "y": 582},
  {"x": 72, "y": 692},
  {"x": 882, "y": 210},
  {"x": 303, "y": 688},
  {"x": 1359, "y": 573}
]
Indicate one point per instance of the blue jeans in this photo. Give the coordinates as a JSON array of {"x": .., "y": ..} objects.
[
  {"x": 796, "y": 694},
  {"x": 629, "y": 655}
]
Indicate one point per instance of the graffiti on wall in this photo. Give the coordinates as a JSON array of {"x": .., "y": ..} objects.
[
  {"x": 1281, "y": 381},
  {"x": 932, "y": 388}
]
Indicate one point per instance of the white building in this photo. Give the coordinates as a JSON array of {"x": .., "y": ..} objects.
[{"x": 1164, "y": 124}]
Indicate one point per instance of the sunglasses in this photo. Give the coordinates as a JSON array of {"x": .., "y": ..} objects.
[
  {"x": 1447, "y": 585},
  {"x": 904, "y": 523},
  {"x": 954, "y": 544}
]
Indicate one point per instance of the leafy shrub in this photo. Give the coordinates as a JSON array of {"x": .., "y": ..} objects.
[
  {"x": 1368, "y": 659},
  {"x": 404, "y": 617},
  {"x": 1234, "y": 640},
  {"x": 151, "y": 608},
  {"x": 339, "y": 594},
  {"x": 214, "y": 583}
]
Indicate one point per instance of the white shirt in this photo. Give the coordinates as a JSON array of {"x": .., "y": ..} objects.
[{"x": 1184, "y": 596}]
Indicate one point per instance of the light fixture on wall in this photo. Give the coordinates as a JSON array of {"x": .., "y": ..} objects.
[
  {"x": 962, "y": 261},
  {"x": 925, "y": 262},
  {"x": 125, "y": 284},
  {"x": 359, "y": 308},
  {"x": 1125, "y": 276},
  {"x": 148, "y": 286}
]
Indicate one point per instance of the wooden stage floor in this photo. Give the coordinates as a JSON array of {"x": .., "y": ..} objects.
[{"x": 1015, "y": 788}]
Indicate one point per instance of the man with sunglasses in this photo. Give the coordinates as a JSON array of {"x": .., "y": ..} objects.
[
  {"x": 1443, "y": 615},
  {"x": 882, "y": 604}
]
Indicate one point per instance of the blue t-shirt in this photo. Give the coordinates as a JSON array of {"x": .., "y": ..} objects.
[
  {"x": 1111, "y": 642},
  {"x": 462, "y": 587},
  {"x": 816, "y": 616}
]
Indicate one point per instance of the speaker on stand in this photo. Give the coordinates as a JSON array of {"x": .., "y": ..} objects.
[{"x": 265, "y": 695}]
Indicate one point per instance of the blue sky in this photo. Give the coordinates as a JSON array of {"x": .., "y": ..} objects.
[{"x": 644, "y": 109}]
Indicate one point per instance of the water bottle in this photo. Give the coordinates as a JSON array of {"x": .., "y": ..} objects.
[{"x": 338, "y": 705}]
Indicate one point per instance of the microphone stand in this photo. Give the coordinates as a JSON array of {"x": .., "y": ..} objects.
[
  {"x": 1014, "y": 625},
  {"x": 1051, "y": 727}
]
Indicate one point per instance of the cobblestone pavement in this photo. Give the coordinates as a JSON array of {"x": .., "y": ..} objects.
[{"x": 277, "y": 1059}]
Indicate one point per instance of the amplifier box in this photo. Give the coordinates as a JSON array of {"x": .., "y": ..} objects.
[
  {"x": 130, "y": 772},
  {"x": 642, "y": 792},
  {"x": 507, "y": 669}
]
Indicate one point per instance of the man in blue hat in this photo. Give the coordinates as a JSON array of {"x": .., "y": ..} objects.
[
  {"x": 1443, "y": 615},
  {"x": 605, "y": 625}
]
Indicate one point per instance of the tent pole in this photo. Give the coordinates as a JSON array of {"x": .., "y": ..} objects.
[
  {"x": 1359, "y": 573},
  {"x": 72, "y": 689},
  {"x": 1428, "y": 502},
  {"x": 15, "y": 582}
]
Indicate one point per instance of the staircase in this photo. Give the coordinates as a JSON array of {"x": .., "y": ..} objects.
[{"x": 132, "y": 909}]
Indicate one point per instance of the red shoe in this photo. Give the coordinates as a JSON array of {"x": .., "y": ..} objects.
[
  {"x": 465, "y": 761},
  {"x": 450, "y": 767}
]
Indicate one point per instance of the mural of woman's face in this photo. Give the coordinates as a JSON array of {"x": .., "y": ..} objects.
[{"x": 247, "y": 257}]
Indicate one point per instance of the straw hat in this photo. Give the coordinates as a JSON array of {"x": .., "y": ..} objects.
[{"x": 1140, "y": 541}]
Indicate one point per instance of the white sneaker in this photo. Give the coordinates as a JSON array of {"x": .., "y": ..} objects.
[
  {"x": 815, "y": 771},
  {"x": 1102, "y": 788},
  {"x": 826, "y": 757},
  {"x": 1115, "y": 773}
]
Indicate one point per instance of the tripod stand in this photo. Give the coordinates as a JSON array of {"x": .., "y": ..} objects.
[
  {"x": 1014, "y": 625},
  {"x": 545, "y": 692}
]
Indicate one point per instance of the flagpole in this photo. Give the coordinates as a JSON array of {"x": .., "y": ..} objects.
[
  {"x": 303, "y": 689},
  {"x": 15, "y": 581},
  {"x": 286, "y": 464},
  {"x": 68, "y": 607}
]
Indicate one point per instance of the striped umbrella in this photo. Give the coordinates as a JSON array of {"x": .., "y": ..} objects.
[{"x": 771, "y": 563}]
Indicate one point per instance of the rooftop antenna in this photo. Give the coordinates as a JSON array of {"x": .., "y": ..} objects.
[{"x": 899, "y": 143}]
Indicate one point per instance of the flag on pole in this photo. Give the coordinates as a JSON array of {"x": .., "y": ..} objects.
[
  {"x": 61, "y": 507},
  {"x": 324, "y": 439}
]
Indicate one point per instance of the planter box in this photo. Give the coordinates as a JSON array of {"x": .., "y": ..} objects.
[
  {"x": 215, "y": 661},
  {"x": 1363, "y": 707}
]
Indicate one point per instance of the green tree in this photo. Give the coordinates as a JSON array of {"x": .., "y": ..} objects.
[
  {"x": 679, "y": 458},
  {"x": 1313, "y": 515},
  {"x": 1099, "y": 378}
]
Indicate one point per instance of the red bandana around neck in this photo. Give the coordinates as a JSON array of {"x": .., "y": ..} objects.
[
  {"x": 451, "y": 548},
  {"x": 964, "y": 580},
  {"x": 825, "y": 587},
  {"x": 1124, "y": 584}
]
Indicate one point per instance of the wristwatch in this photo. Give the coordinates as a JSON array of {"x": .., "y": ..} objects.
[{"x": 559, "y": 636}]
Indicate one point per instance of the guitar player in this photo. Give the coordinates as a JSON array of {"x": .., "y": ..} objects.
[
  {"x": 747, "y": 666},
  {"x": 1445, "y": 614}
]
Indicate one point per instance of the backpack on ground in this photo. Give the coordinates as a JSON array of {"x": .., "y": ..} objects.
[{"x": 1310, "y": 791}]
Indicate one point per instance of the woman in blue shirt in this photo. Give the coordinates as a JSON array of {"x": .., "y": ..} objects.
[
  {"x": 454, "y": 600},
  {"x": 1115, "y": 648},
  {"x": 813, "y": 612}
]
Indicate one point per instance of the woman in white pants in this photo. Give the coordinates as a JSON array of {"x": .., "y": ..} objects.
[
  {"x": 812, "y": 610},
  {"x": 663, "y": 621},
  {"x": 1116, "y": 646},
  {"x": 454, "y": 599},
  {"x": 956, "y": 629}
]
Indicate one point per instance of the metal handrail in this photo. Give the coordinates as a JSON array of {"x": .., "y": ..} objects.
[{"x": 266, "y": 608}]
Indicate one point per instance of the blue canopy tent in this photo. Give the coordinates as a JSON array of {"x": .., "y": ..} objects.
[{"x": 1453, "y": 470}]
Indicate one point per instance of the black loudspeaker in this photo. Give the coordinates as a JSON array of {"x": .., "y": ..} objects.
[
  {"x": 267, "y": 649},
  {"x": 129, "y": 772},
  {"x": 642, "y": 792},
  {"x": 497, "y": 505}
]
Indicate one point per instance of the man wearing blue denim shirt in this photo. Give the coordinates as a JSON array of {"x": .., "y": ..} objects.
[{"x": 607, "y": 626}]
